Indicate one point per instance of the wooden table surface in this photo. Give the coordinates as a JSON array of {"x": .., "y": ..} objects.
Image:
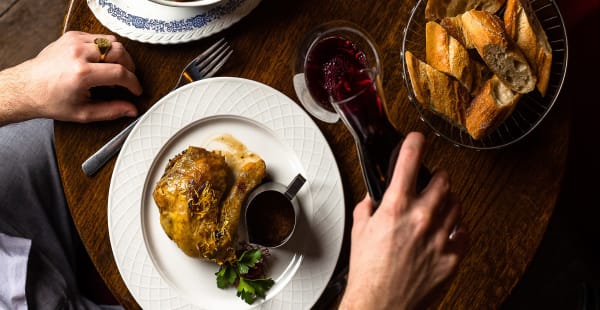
[{"x": 508, "y": 195}]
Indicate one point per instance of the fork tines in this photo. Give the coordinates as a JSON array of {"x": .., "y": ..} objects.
[{"x": 216, "y": 56}]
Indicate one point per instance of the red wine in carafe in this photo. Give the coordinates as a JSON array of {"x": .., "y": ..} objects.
[
  {"x": 377, "y": 140},
  {"x": 326, "y": 64},
  {"x": 337, "y": 71}
]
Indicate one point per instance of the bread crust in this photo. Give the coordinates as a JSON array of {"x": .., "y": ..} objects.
[
  {"x": 490, "y": 108},
  {"x": 487, "y": 34},
  {"x": 453, "y": 26},
  {"x": 436, "y": 91},
  {"x": 417, "y": 79},
  {"x": 476, "y": 53},
  {"x": 524, "y": 28},
  {"x": 446, "y": 54},
  {"x": 438, "y": 9}
]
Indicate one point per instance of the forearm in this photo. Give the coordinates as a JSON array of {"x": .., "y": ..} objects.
[
  {"x": 351, "y": 303},
  {"x": 15, "y": 103}
]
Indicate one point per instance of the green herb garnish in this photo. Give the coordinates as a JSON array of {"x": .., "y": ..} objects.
[{"x": 248, "y": 287}]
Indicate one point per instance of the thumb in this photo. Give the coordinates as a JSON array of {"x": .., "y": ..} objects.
[{"x": 363, "y": 211}]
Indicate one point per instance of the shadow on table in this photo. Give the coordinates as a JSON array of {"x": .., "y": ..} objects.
[{"x": 565, "y": 273}]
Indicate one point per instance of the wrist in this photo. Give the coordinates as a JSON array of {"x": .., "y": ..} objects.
[
  {"x": 367, "y": 297},
  {"x": 352, "y": 300},
  {"x": 15, "y": 104}
]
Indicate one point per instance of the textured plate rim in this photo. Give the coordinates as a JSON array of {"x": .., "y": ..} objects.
[
  {"x": 142, "y": 164},
  {"x": 118, "y": 20}
]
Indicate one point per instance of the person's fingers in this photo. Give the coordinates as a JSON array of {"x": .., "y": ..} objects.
[
  {"x": 363, "y": 209},
  {"x": 446, "y": 222},
  {"x": 447, "y": 265},
  {"x": 452, "y": 252},
  {"x": 117, "y": 54},
  {"x": 453, "y": 236},
  {"x": 85, "y": 37},
  {"x": 458, "y": 241},
  {"x": 106, "y": 74},
  {"x": 402, "y": 187},
  {"x": 90, "y": 37},
  {"x": 437, "y": 191},
  {"x": 80, "y": 45},
  {"x": 408, "y": 164},
  {"x": 71, "y": 45},
  {"x": 361, "y": 215},
  {"x": 104, "y": 110}
]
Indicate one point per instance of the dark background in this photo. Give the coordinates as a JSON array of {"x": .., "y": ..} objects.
[{"x": 568, "y": 259}]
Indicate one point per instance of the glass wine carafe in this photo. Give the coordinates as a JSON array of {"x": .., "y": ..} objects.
[{"x": 343, "y": 75}]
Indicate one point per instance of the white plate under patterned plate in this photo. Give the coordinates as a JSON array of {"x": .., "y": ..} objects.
[
  {"x": 158, "y": 274},
  {"x": 146, "y": 21}
]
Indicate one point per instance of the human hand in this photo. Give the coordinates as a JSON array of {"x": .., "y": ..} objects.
[
  {"x": 56, "y": 83},
  {"x": 403, "y": 251}
]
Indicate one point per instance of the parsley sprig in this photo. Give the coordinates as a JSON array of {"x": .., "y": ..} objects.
[{"x": 243, "y": 274}]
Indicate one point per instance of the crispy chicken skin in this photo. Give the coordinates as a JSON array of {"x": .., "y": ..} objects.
[
  {"x": 200, "y": 198},
  {"x": 188, "y": 197}
]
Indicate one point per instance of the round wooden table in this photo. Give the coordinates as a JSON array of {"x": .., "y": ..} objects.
[{"x": 507, "y": 195}]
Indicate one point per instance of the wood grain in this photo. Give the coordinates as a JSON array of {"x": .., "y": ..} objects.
[{"x": 507, "y": 196}]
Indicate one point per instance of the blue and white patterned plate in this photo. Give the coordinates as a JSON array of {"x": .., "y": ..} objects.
[{"x": 146, "y": 21}]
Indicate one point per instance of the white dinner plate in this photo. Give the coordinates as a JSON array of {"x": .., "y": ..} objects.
[
  {"x": 157, "y": 273},
  {"x": 146, "y": 21}
]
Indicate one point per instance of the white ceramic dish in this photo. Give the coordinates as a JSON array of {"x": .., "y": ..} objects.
[
  {"x": 149, "y": 22},
  {"x": 157, "y": 273},
  {"x": 198, "y": 3}
]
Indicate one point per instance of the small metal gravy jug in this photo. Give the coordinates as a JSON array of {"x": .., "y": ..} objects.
[{"x": 271, "y": 211}]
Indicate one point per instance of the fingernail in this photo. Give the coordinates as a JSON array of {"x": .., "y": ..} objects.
[{"x": 131, "y": 113}]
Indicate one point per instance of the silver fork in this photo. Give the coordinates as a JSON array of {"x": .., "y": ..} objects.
[{"x": 205, "y": 65}]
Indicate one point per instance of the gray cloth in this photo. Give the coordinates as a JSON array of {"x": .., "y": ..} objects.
[
  {"x": 14, "y": 255},
  {"x": 33, "y": 206}
]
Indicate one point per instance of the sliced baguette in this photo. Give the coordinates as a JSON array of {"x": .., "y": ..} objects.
[
  {"x": 490, "y": 108},
  {"x": 436, "y": 91},
  {"x": 486, "y": 32},
  {"x": 453, "y": 26},
  {"x": 524, "y": 28},
  {"x": 446, "y": 54},
  {"x": 481, "y": 73},
  {"x": 438, "y": 9}
]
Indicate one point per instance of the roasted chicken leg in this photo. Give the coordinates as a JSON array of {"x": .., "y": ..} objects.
[{"x": 200, "y": 197}]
